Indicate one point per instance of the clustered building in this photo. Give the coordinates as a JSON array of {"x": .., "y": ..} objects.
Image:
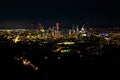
[{"x": 110, "y": 35}]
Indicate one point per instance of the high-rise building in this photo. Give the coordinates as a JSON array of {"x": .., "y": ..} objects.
[
  {"x": 83, "y": 31},
  {"x": 57, "y": 26},
  {"x": 57, "y": 29}
]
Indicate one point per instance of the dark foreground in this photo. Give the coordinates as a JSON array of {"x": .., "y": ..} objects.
[{"x": 70, "y": 66}]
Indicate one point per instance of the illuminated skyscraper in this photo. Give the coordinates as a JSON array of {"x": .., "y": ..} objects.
[
  {"x": 83, "y": 31},
  {"x": 57, "y": 29},
  {"x": 57, "y": 26}
]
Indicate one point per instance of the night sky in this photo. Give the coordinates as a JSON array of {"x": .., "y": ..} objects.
[{"x": 98, "y": 13}]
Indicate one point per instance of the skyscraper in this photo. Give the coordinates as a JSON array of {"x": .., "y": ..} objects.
[
  {"x": 57, "y": 29},
  {"x": 57, "y": 26}
]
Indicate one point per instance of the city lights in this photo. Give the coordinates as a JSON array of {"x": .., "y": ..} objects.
[{"x": 35, "y": 51}]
